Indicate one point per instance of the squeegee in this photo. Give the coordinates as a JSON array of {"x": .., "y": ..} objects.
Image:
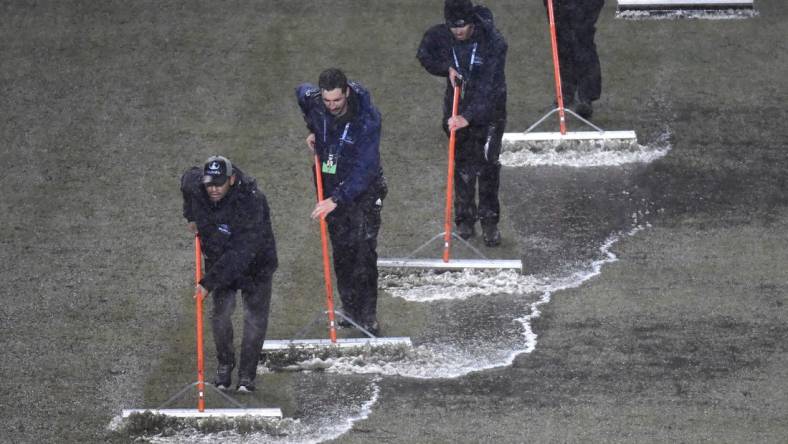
[
  {"x": 447, "y": 262},
  {"x": 201, "y": 411},
  {"x": 299, "y": 345},
  {"x": 528, "y": 138},
  {"x": 670, "y": 5}
]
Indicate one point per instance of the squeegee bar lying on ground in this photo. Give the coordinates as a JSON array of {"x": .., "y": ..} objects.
[
  {"x": 683, "y": 4},
  {"x": 209, "y": 413}
]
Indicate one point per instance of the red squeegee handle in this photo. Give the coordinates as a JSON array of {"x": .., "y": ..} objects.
[
  {"x": 450, "y": 180},
  {"x": 199, "y": 298},
  {"x": 559, "y": 95},
  {"x": 332, "y": 329}
]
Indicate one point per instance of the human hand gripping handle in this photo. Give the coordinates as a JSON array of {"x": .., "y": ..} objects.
[
  {"x": 454, "y": 77},
  {"x": 322, "y": 208},
  {"x": 456, "y": 122},
  {"x": 310, "y": 142}
]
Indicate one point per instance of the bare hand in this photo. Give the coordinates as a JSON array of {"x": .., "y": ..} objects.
[
  {"x": 192, "y": 227},
  {"x": 323, "y": 208},
  {"x": 310, "y": 142},
  {"x": 453, "y": 75},
  {"x": 457, "y": 122},
  {"x": 201, "y": 292}
]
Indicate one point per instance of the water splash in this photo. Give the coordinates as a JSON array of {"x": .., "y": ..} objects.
[
  {"x": 322, "y": 416},
  {"x": 430, "y": 286},
  {"x": 584, "y": 154},
  {"x": 469, "y": 332},
  {"x": 697, "y": 14}
]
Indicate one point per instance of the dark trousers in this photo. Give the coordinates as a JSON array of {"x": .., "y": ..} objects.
[
  {"x": 575, "y": 22},
  {"x": 476, "y": 154},
  {"x": 354, "y": 239},
  {"x": 256, "y": 300}
]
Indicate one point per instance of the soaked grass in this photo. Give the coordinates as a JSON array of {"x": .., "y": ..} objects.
[{"x": 148, "y": 425}]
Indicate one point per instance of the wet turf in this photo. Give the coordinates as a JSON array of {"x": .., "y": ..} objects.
[{"x": 104, "y": 105}]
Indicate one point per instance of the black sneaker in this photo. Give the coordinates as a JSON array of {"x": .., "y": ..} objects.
[
  {"x": 584, "y": 109},
  {"x": 492, "y": 237},
  {"x": 341, "y": 321},
  {"x": 465, "y": 230},
  {"x": 224, "y": 375},
  {"x": 373, "y": 328},
  {"x": 246, "y": 384}
]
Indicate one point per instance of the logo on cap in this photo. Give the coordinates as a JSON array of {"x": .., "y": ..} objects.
[{"x": 216, "y": 171}]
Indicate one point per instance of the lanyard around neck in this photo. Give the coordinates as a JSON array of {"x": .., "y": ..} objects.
[
  {"x": 470, "y": 64},
  {"x": 341, "y": 139}
]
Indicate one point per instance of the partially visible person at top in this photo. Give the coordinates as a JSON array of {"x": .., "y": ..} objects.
[
  {"x": 344, "y": 131},
  {"x": 581, "y": 74},
  {"x": 468, "y": 50},
  {"x": 230, "y": 214}
]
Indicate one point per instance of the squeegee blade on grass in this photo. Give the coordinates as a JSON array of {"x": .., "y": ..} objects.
[
  {"x": 294, "y": 354},
  {"x": 209, "y": 413},
  {"x": 453, "y": 264},
  {"x": 345, "y": 343},
  {"x": 700, "y": 5},
  {"x": 618, "y": 136},
  {"x": 659, "y": 9}
]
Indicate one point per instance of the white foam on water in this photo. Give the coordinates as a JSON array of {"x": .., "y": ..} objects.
[
  {"x": 324, "y": 420},
  {"x": 586, "y": 154},
  {"x": 721, "y": 14},
  {"x": 430, "y": 286},
  {"x": 495, "y": 343}
]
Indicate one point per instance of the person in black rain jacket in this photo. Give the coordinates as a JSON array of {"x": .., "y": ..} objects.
[
  {"x": 231, "y": 216},
  {"x": 344, "y": 131},
  {"x": 467, "y": 48},
  {"x": 581, "y": 75}
]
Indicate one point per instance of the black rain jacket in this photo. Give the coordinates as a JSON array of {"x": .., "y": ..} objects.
[
  {"x": 484, "y": 99},
  {"x": 235, "y": 233}
]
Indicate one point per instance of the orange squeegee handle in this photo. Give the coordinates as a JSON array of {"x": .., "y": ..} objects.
[
  {"x": 559, "y": 95},
  {"x": 450, "y": 180},
  {"x": 199, "y": 298},
  {"x": 332, "y": 329}
]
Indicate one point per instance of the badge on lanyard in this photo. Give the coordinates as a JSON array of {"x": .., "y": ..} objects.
[{"x": 329, "y": 166}]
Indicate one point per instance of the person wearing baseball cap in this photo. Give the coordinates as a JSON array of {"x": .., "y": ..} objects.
[
  {"x": 227, "y": 210},
  {"x": 469, "y": 51}
]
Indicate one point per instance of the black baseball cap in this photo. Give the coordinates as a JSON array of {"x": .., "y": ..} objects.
[
  {"x": 458, "y": 13},
  {"x": 217, "y": 170}
]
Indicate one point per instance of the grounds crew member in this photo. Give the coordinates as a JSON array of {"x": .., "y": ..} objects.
[
  {"x": 468, "y": 49},
  {"x": 231, "y": 216},
  {"x": 344, "y": 131},
  {"x": 581, "y": 75}
]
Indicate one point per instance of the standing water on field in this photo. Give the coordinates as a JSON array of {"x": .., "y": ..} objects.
[
  {"x": 567, "y": 211},
  {"x": 475, "y": 320}
]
